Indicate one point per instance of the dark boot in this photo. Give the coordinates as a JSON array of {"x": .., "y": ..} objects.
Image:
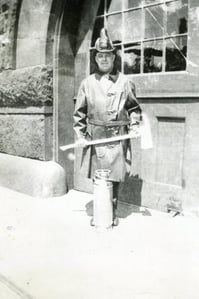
[
  {"x": 115, "y": 218},
  {"x": 92, "y": 222},
  {"x": 115, "y": 200}
]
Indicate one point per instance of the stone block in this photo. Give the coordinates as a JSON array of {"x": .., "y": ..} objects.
[
  {"x": 26, "y": 132},
  {"x": 32, "y": 32},
  {"x": 35, "y": 178},
  {"x": 26, "y": 87},
  {"x": 26, "y": 97}
]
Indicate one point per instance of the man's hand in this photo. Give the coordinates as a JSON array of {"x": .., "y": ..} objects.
[
  {"x": 81, "y": 142},
  {"x": 134, "y": 131}
]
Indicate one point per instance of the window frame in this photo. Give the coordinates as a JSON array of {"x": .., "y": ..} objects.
[{"x": 143, "y": 40}]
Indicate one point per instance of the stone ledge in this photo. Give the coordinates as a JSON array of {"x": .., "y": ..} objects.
[
  {"x": 28, "y": 110},
  {"x": 33, "y": 177}
]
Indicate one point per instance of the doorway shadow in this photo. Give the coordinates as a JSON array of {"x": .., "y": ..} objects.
[{"x": 130, "y": 200}]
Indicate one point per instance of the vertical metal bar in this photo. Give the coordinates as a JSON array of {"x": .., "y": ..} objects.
[
  {"x": 122, "y": 41},
  {"x": 164, "y": 39},
  {"x": 142, "y": 39},
  {"x": 55, "y": 86},
  {"x": 105, "y": 14}
]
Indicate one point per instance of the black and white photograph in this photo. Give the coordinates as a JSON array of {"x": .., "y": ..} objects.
[{"x": 99, "y": 149}]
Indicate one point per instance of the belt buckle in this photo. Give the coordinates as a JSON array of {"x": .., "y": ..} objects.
[{"x": 112, "y": 131}]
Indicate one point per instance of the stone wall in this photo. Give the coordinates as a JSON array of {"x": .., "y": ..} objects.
[
  {"x": 8, "y": 24},
  {"x": 26, "y": 87},
  {"x": 26, "y": 97},
  {"x": 26, "y": 101},
  {"x": 26, "y": 94},
  {"x": 26, "y": 132}
]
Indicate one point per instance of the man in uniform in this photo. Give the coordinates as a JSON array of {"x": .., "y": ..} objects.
[{"x": 106, "y": 106}]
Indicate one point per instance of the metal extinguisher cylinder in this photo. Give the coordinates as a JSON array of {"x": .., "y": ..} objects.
[{"x": 102, "y": 202}]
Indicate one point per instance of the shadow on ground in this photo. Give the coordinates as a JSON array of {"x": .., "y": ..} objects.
[
  {"x": 123, "y": 210},
  {"x": 130, "y": 200}
]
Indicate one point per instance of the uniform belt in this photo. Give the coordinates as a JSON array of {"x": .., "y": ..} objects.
[{"x": 113, "y": 123}]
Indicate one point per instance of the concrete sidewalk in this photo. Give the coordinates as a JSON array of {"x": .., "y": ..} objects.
[{"x": 49, "y": 251}]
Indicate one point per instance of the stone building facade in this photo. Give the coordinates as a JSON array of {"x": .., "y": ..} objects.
[{"x": 45, "y": 50}]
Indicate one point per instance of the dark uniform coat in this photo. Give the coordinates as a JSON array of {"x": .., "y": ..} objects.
[{"x": 106, "y": 106}]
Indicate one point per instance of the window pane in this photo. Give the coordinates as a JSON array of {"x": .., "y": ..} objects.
[
  {"x": 118, "y": 59},
  {"x": 99, "y": 24},
  {"x": 132, "y": 56},
  {"x": 132, "y": 3},
  {"x": 114, "y": 5},
  {"x": 153, "y": 56},
  {"x": 132, "y": 25},
  {"x": 154, "y": 17},
  {"x": 114, "y": 26},
  {"x": 93, "y": 66},
  {"x": 177, "y": 14},
  {"x": 101, "y": 8},
  {"x": 176, "y": 52}
]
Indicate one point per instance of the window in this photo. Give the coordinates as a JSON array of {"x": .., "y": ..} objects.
[{"x": 149, "y": 35}]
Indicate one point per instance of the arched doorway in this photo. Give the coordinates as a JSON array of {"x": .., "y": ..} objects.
[{"x": 69, "y": 38}]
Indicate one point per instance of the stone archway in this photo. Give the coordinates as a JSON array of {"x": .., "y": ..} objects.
[
  {"x": 69, "y": 41},
  {"x": 26, "y": 103}
]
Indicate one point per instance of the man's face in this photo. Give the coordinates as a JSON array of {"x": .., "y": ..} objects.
[{"x": 105, "y": 61}]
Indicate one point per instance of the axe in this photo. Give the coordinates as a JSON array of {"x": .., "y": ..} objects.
[
  {"x": 98, "y": 141},
  {"x": 145, "y": 135}
]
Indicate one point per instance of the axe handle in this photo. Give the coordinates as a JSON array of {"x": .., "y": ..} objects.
[{"x": 99, "y": 141}]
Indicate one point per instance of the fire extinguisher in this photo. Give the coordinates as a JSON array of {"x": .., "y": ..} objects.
[{"x": 103, "y": 200}]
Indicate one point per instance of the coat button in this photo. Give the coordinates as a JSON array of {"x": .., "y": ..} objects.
[{"x": 111, "y": 112}]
